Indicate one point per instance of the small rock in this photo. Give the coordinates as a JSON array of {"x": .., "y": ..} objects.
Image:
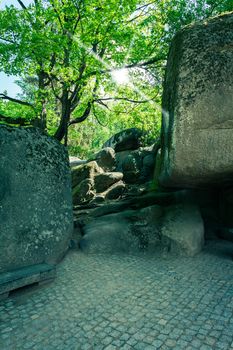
[
  {"x": 105, "y": 180},
  {"x": 83, "y": 192},
  {"x": 115, "y": 191},
  {"x": 84, "y": 171}
]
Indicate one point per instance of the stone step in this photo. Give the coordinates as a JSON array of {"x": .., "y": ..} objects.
[{"x": 25, "y": 276}]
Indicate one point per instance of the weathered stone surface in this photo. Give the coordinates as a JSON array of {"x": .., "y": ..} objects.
[
  {"x": 131, "y": 177},
  {"x": 130, "y": 168},
  {"x": 74, "y": 161},
  {"x": 128, "y": 139},
  {"x": 120, "y": 158},
  {"x": 85, "y": 171},
  {"x": 83, "y": 192},
  {"x": 36, "y": 219},
  {"x": 106, "y": 158},
  {"x": 183, "y": 229},
  {"x": 115, "y": 191},
  {"x": 149, "y": 161},
  {"x": 135, "y": 202},
  {"x": 137, "y": 165},
  {"x": 105, "y": 180},
  {"x": 157, "y": 169},
  {"x": 148, "y": 167},
  {"x": 99, "y": 198},
  {"x": 130, "y": 164},
  {"x": 197, "y": 143},
  {"x": 76, "y": 236},
  {"x": 127, "y": 231}
]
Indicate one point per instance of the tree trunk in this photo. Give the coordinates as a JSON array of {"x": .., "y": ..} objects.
[
  {"x": 42, "y": 97},
  {"x": 62, "y": 131}
]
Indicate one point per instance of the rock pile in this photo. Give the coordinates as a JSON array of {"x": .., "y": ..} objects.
[
  {"x": 109, "y": 174},
  {"x": 116, "y": 211}
]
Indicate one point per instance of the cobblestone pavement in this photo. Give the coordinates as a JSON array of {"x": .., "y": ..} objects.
[{"x": 127, "y": 302}]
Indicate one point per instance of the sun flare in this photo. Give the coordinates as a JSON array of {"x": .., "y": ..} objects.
[{"x": 121, "y": 76}]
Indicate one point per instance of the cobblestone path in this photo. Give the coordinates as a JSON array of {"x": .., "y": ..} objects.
[{"x": 127, "y": 302}]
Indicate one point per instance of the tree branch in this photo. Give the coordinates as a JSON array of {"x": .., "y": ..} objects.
[
  {"x": 97, "y": 118},
  {"x": 22, "y": 4},
  {"x": 101, "y": 103},
  {"x": 53, "y": 89},
  {"x": 76, "y": 24},
  {"x": 24, "y": 103},
  {"x": 58, "y": 16},
  {"x": 144, "y": 6},
  {"x": 84, "y": 116},
  {"x": 132, "y": 65},
  {"x": 120, "y": 99},
  {"x": 77, "y": 87},
  {"x": 147, "y": 63}
]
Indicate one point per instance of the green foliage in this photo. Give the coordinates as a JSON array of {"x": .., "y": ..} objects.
[
  {"x": 14, "y": 111},
  {"x": 64, "y": 52}
]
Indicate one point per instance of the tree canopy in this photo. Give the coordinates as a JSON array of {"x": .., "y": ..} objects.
[{"x": 98, "y": 61}]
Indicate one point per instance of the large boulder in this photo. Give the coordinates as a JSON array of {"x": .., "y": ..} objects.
[
  {"x": 128, "y": 139},
  {"x": 197, "y": 143},
  {"x": 36, "y": 216}
]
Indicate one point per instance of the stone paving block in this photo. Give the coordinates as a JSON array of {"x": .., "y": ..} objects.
[{"x": 93, "y": 299}]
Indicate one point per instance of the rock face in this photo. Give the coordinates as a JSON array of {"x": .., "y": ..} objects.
[
  {"x": 197, "y": 143},
  {"x": 36, "y": 219}
]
